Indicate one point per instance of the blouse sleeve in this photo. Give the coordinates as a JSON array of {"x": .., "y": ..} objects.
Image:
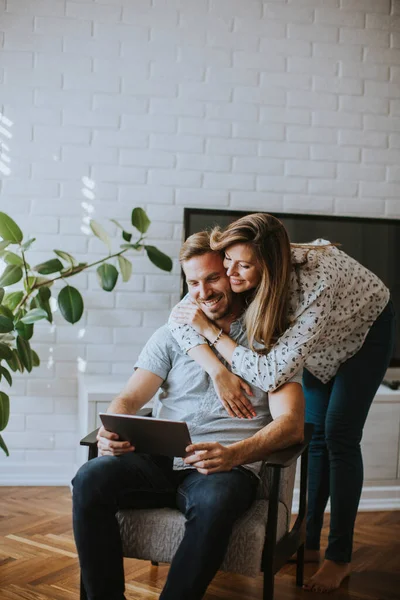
[
  {"x": 185, "y": 335},
  {"x": 288, "y": 355}
]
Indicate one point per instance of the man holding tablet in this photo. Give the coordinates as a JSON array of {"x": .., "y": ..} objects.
[{"x": 216, "y": 483}]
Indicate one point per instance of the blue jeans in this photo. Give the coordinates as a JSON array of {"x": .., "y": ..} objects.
[
  {"x": 338, "y": 411},
  {"x": 210, "y": 503}
]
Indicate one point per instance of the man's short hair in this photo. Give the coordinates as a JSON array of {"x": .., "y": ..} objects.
[{"x": 196, "y": 245}]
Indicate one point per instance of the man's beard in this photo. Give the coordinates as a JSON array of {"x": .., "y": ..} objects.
[{"x": 219, "y": 313}]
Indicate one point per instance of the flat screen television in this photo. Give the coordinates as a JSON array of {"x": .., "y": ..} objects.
[{"x": 375, "y": 243}]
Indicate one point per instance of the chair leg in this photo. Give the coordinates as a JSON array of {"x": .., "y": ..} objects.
[
  {"x": 154, "y": 563},
  {"x": 83, "y": 595},
  {"x": 268, "y": 587},
  {"x": 300, "y": 566}
]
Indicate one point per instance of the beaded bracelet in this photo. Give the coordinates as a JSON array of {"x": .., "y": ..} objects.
[{"x": 221, "y": 331}]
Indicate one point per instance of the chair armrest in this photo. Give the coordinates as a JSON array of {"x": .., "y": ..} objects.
[
  {"x": 285, "y": 458},
  {"x": 89, "y": 439}
]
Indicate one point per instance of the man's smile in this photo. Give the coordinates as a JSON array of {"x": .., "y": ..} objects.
[{"x": 212, "y": 302}]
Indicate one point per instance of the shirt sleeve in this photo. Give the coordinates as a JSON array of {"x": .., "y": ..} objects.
[
  {"x": 288, "y": 355},
  {"x": 185, "y": 335},
  {"x": 155, "y": 356}
]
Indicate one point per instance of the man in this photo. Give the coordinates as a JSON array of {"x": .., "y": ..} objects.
[{"x": 215, "y": 484}]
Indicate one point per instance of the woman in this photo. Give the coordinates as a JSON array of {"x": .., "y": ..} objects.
[{"x": 309, "y": 306}]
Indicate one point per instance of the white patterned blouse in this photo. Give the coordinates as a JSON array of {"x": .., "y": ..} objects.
[{"x": 334, "y": 301}]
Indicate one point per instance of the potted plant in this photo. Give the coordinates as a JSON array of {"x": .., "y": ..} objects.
[{"x": 21, "y": 308}]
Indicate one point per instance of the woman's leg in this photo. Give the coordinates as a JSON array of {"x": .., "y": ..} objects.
[
  {"x": 353, "y": 390},
  {"x": 317, "y": 400}
]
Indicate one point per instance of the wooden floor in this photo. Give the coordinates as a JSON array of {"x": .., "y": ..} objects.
[{"x": 38, "y": 558}]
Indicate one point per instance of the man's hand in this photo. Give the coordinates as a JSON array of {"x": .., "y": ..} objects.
[
  {"x": 210, "y": 457},
  {"x": 189, "y": 313},
  {"x": 108, "y": 444}
]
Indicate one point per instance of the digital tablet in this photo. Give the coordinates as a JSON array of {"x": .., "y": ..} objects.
[{"x": 149, "y": 435}]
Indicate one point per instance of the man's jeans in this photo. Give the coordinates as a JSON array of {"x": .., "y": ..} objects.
[{"x": 210, "y": 503}]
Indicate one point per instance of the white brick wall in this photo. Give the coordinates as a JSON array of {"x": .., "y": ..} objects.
[{"x": 281, "y": 105}]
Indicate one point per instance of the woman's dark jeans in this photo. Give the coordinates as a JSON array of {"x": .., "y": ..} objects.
[
  {"x": 210, "y": 503},
  {"x": 338, "y": 411}
]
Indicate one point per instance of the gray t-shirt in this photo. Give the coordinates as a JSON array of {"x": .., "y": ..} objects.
[{"x": 188, "y": 394}]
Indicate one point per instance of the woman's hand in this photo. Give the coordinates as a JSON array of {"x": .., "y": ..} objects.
[
  {"x": 231, "y": 390},
  {"x": 189, "y": 313}
]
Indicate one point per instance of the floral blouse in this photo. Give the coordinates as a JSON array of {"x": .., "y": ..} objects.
[{"x": 333, "y": 303}]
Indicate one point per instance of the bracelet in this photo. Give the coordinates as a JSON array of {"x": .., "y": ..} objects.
[{"x": 221, "y": 331}]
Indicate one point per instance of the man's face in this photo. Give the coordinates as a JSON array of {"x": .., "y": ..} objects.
[{"x": 208, "y": 285}]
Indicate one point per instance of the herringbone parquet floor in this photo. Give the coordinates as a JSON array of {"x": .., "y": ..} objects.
[{"x": 38, "y": 558}]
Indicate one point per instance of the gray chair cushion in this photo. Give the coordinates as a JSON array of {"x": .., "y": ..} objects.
[
  {"x": 286, "y": 487},
  {"x": 155, "y": 534}
]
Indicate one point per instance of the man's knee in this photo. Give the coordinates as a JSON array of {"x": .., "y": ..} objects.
[
  {"x": 92, "y": 481},
  {"x": 221, "y": 496}
]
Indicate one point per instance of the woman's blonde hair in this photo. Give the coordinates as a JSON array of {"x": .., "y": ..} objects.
[{"x": 266, "y": 317}]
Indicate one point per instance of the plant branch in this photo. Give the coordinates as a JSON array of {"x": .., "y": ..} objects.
[{"x": 93, "y": 264}]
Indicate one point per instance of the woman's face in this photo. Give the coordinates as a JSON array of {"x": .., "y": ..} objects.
[{"x": 241, "y": 267}]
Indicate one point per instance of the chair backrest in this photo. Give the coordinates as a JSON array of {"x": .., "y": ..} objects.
[{"x": 286, "y": 486}]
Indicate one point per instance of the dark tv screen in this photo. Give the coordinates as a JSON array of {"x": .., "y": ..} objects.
[{"x": 375, "y": 243}]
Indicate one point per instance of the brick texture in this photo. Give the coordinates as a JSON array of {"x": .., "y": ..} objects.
[{"x": 249, "y": 104}]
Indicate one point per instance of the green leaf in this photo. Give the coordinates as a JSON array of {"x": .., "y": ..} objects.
[
  {"x": 50, "y": 266},
  {"x": 25, "y": 353},
  {"x": 4, "y": 410},
  {"x": 6, "y": 324},
  {"x": 28, "y": 244},
  {"x": 12, "y": 299},
  {"x": 3, "y": 445},
  {"x": 67, "y": 257},
  {"x": 117, "y": 224},
  {"x": 18, "y": 362},
  {"x": 31, "y": 281},
  {"x": 101, "y": 233},
  {"x": 4, "y": 244},
  {"x": 12, "y": 274},
  {"x": 5, "y": 351},
  {"x": 13, "y": 259},
  {"x": 9, "y": 230},
  {"x": 158, "y": 258},
  {"x": 125, "y": 267},
  {"x": 12, "y": 362},
  {"x": 1, "y": 294},
  {"x": 42, "y": 299},
  {"x": 126, "y": 236},
  {"x": 35, "y": 359},
  {"x": 70, "y": 303},
  {"x": 107, "y": 275},
  {"x": 140, "y": 220},
  {"x": 6, "y": 374},
  {"x": 36, "y": 314},
  {"x": 25, "y": 330},
  {"x": 4, "y": 310}
]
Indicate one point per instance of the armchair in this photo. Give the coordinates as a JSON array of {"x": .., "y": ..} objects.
[{"x": 261, "y": 540}]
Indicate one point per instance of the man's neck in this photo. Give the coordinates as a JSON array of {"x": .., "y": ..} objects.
[{"x": 236, "y": 310}]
